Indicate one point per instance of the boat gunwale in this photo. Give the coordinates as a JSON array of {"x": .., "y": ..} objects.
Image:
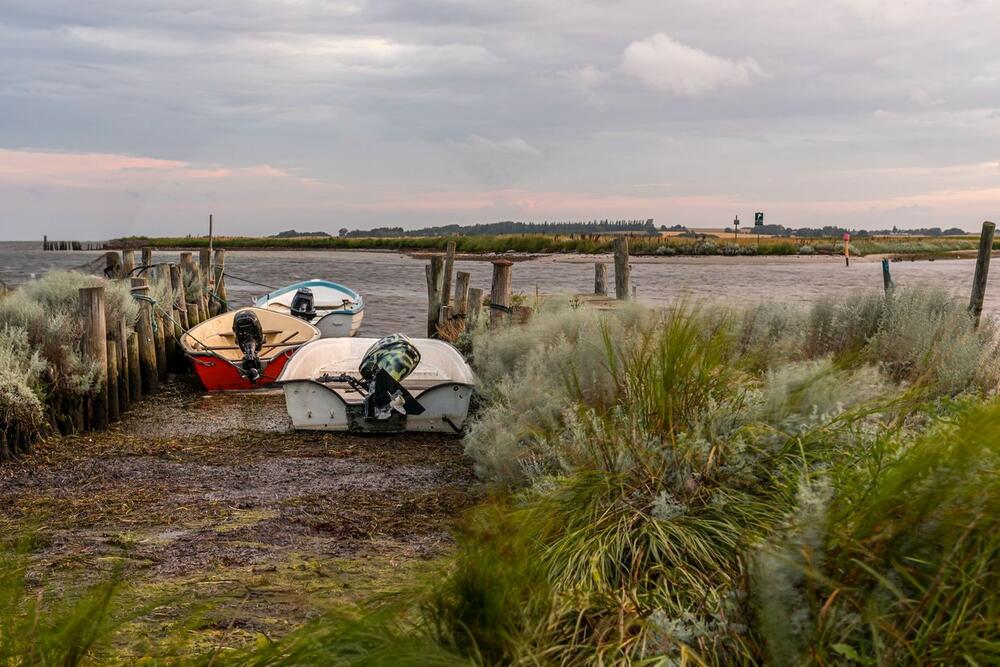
[{"x": 359, "y": 301}]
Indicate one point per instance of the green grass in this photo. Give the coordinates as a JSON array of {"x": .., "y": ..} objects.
[{"x": 682, "y": 494}]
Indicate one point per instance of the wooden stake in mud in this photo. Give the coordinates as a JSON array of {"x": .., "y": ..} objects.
[
  {"x": 128, "y": 263},
  {"x": 847, "y": 249},
  {"x": 475, "y": 306},
  {"x": 220, "y": 280},
  {"x": 622, "y": 270},
  {"x": 134, "y": 367},
  {"x": 449, "y": 267},
  {"x": 600, "y": 279},
  {"x": 95, "y": 349},
  {"x": 114, "y": 406},
  {"x": 886, "y": 276},
  {"x": 435, "y": 284},
  {"x": 982, "y": 270},
  {"x": 500, "y": 292},
  {"x": 147, "y": 339},
  {"x": 461, "y": 294}
]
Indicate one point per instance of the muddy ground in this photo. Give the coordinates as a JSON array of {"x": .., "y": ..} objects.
[{"x": 209, "y": 505}]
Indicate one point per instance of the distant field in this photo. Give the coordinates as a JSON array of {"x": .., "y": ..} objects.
[{"x": 717, "y": 243}]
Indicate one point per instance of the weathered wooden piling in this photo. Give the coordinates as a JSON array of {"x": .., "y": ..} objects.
[
  {"x": 191, "y": 288},
  {"x": 128, "y": 263},
  {"x": 434, "y": 272},
  {"x": 134, "y": 367},
  {"x": 113, "y": 265},
  {"x": 147, "y": 338},
  {"x": 114, "y": 405},
  {"x": 461, "y": 306},
  {"x": 180, "y": 303},
  {"x": 982, "y": 270},
  {"x": 449, "y": 267},
  {"x": 886, "y": 276},
  {"x": 95, "y": 349},
  {"x": 622, "y": 269},
  {"x": 475, "y": 306},
  {"x": 600, "y": 279},
  {"x": 45, "y": 242},
  {"x": 220, "y": 280},
  {"x": 500, "y": 292},
  {"x": 120, "y": 336},
  {"x": 147, "y": 259}
]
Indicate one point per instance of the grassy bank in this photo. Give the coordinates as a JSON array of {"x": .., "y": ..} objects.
[
  {"x": 583, "y": 244},
  {"x": 700, "y": 486}
]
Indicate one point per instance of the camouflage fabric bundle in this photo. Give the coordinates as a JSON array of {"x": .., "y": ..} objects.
[{"x": 395, "y": 354}]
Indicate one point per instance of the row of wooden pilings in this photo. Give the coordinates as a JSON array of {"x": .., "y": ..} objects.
[
  {"x": 446, "y": 304},
  {"x": 68, "y": 245},
  {"x": 132, "y": 363}
]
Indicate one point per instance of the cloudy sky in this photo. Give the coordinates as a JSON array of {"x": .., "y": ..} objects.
[{"x": 134, "y": 116}]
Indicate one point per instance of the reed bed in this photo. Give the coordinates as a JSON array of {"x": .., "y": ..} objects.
[{"x": 769, "y": 485}]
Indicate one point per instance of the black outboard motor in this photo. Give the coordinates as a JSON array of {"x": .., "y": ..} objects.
[
  {"x": 302, "y": 304},
  {"x": 384, "y": 366},
  {"x": 250, "y": 339}
]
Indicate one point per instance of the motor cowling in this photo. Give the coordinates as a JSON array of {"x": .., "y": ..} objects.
[
  {"x": 250, "y": 339},
  {"x": 383, "y": 367},
  {"x": 303, "y": 304}
]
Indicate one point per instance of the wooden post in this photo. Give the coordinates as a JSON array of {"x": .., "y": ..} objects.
[
  {"x": 112, "y": 265},
  {"x": 95, "y": 349},
  {"x": 622, "y": 269},
  {"x": 449, "y": 267},
  {"x": 207, "y": 281},
  {"x": 444, "y": 316},
  {"x": 461, "y": 294},
  {"x": 220, "y": 280},
  {"x": 128, "y": 263},
  {"x": 114, "y": 405},
  {"x": 982, "y": 270},
  {"x": 886, "y": 276},
  {"x": 160, "y": 335},
  {"x": 434, "y": 272},
  {"x": 189, "y": 279},
  {"x": 147, "y": 260},
  {"x": 600, "y": 279},
  {"x": 120, "y": 335},
  {"x": 500, "y": 292},
  {"x": 475, "y": 306},
  {"x": 45, "y": 242},
  {"x": 147, "y": 339},
  {"x": 180, "y": 307},
  {"x": 134, "y": 367}
]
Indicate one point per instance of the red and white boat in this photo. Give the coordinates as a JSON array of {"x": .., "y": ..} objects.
[{"x": 245, "y": 348}]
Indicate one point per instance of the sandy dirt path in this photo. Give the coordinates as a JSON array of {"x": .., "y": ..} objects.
[{"x": 211, "y": 504}]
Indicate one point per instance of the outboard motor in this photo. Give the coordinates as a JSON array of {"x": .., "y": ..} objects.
[
  {"x": 302, "y": 304},
  {"x": 250, "y": 339},
  {"x": 383, "y": 367}
]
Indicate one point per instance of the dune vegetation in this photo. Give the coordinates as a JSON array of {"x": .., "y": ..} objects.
[{"x": 702, "y": 486}]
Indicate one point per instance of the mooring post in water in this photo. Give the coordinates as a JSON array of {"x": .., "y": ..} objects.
[
  {"x": 435, "y": 284},
  {"x": 886, "y": 276},
  {"x": 500, "y": 292},
  {"x": 128, "y": 263},
  {"x": 220, "y": 280},
  {"x": 475, "y": 306},
  {"x": 461, "y": 294},
  {"x": 95, "y": 349},
  {"x": 982, "y": 270},
  {"x": 147, "y": 338},
  {"x": 449, "y": 268},
  {"x": 622, "y": 269},
  {"x": 45, "y": 242},
  {"x": 847, "y": 249},
  {"x": 600, "y": 279},
  {"x": 134, "y": 367},
  {"x": 114, "y": 407}
]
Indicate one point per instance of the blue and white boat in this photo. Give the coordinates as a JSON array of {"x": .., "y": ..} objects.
[{"x": 335, "y": 310}]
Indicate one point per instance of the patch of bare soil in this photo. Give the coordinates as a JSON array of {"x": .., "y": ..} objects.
[{"x": 213, "y": 499}]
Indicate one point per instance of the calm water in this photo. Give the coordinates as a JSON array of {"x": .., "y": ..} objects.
[{"x": 395, "y": 290}]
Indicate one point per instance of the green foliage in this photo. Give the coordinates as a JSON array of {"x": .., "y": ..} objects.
[{"x": 21, "y": 412}]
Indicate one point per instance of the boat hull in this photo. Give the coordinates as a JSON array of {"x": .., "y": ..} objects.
[
  {"x": 315, "y": 407},
  {"x": 220, "y": 375},
  {"x": 339, "y": 325},
  {"x": 339, "y": 309}
]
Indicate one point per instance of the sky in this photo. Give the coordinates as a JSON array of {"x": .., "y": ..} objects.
[{"x": 140, "y": 117}]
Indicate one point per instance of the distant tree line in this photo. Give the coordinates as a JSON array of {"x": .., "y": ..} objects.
[
  {"x": 829, "y": 231},
  {"x": 511, "y": 227},
  {"x": 292, "y": 234}
]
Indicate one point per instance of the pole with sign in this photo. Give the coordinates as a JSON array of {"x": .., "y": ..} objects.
[{"x": 847, "y": 249}]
